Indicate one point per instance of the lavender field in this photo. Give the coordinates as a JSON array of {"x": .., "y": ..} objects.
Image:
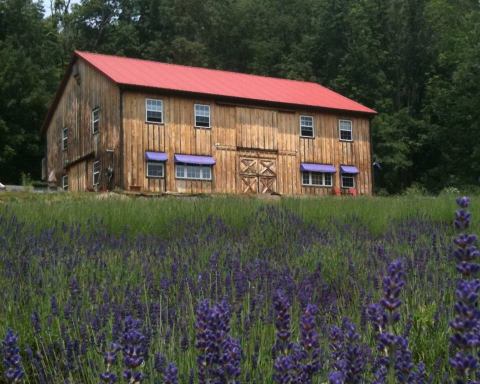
[{"x": 230, "y": 290}]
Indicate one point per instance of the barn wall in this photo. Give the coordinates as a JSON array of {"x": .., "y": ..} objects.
[
  {"x": 250, "y": 145},
  {"x": 74, "y": 112}
]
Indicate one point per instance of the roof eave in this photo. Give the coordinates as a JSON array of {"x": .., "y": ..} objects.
[{"x": 244, "y": 101}]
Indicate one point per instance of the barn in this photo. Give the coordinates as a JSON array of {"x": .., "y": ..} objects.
[{"x": 146, "y": 126}]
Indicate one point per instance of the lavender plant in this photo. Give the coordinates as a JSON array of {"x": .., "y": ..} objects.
[
  {"x": 348, "y": 355},
  {"x": 134, "y": 350},
  {"x": 309, "y": 361},
  {"x": 219, "y": 353},
  {"x": 171, "y": 374},
  {"x": 11, "y": 358},
  {"x": 74, "y": 287},
  {"x": 394, "y": 357},
  {"x": 284, "y": 362},
  {"x": 465, "y": 326},
  {"x": 110, "y": 358}
]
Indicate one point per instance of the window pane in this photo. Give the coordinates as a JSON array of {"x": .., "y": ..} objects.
[
  {"x": 154, "y": 117},
  {"x": 96, "y": 172},
  {"x": 345, "y": 135},
  {"x": 193, "y": 172},
  {"x": 180, "y": 169},
  {"x": 347, "y": 181},
  {"x": 202, "y": 115},
  {"x": 328, "y": 179},
  {"x": 154, "y": 111},
  {"x": 306, "y": 126},
  {"x": 154, "y": 105},
  {"x": 346, "y": 125},
  {"x": 154, "y": 169},
  {"x": 306, "y": 121},
  {"x": 95, "y": 120},
  {"x": 317, "y": 179},
  {"x": 306, "y": 178},
  {"x": 65, "y": 183},
  {"x": 307, "y": 132},
  {"x": 201, "y": 121},
  {"x": 206, "y": 173},
  {"x": 65, "y": 138},
  {"x": 345, "y": 129}
]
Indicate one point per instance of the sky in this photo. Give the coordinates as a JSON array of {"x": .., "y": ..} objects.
[{"x": 46, "y": 5}]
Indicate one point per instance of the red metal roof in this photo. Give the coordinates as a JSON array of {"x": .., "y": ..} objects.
[{"x": 152, "y": 74}]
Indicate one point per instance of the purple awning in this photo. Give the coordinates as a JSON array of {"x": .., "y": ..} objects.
[
  {"x": 191, "y": 159},
  {"x": 323, "y": 168},
  {"x": 349, "y": 169},
  {"x": 156, "y": 156}
]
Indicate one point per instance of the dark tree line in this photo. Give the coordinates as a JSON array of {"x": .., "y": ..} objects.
[{"x": 417, "y": 62}]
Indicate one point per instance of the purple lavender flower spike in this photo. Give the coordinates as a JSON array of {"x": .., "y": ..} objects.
[
  {"x": 282, "y": 322},
  {"x": 336, "y": 377},
  {"x": 310, "y": 344},
  {"x": 283, "y": 362},
  {"x": 465, "y": 338},
  {"x": 159, "y": 363},
  {"x": 393, "y": 349},
  {"x": 219, "y": 354},
  {"x": 283, "y": 366},
  {"x": 348, "y": 356},
  {"x": 134, "y": 350},
  {"x": 171, "y": 374},
  {"x": 108, "y": 378},
  {"x": 110, "y": 358},
  {"x": 463, "y": 202},
  {"x": 11, "y": 358}
]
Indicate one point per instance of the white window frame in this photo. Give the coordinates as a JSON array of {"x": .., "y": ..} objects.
[
  {"x": 349, "y": 176},
  {"x": 185, "y": 172},
  {"x": 161, "y": 164},
  {"x": 313, "y": 126},
  {"x": 209, "y": 115},
  {"x": 64, "y": 139},
  {"x": 95, "y": 173},
  {"x": 95, "y": 120},
  {"x": 147, "y": 110},
  {"x": 340, "y": 129},
  {"x": 310, "y": 179},
  {"x": 65, "y": 183}
]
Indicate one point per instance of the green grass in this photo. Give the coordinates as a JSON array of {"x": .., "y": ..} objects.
[{"x": 155, "y": 215}]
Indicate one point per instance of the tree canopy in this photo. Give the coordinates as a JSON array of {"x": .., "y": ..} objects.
[{"x": 417, "y": 62}]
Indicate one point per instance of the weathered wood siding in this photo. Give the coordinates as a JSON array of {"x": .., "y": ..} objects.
[
  {"x": 256, "y": 149},
  {"x": 74, "y": 111}
]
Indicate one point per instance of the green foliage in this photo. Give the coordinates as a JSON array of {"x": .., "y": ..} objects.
[{"x": 417, "y": 62}]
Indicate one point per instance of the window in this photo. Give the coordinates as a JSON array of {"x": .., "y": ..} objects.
[
  {"x": 193, "y": 172},
  {"x": 96, "y": 173},
  {"x": 317, "y": 179},
  {"x": 306, "y": 126},
  {"x": 154, "y": 110},
  {"x": 202, "y": 116},
  {"x": 348, "y": 181},
  {"x": 65, "y": 182},
  {"x": 155, "y": 169},
  {"x": 95, "y": 120},
  {"x": 345, "y": 127},
  {"x": 64, "y": 139}
]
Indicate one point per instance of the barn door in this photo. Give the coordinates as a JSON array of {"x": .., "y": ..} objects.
[
  {"x": 257, "y": 175},
  {"x": 267, "y": 175},
  {"x": 248, "y": 175}
]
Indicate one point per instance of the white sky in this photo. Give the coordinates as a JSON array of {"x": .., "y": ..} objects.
[{"x": 47, "y": 3}]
